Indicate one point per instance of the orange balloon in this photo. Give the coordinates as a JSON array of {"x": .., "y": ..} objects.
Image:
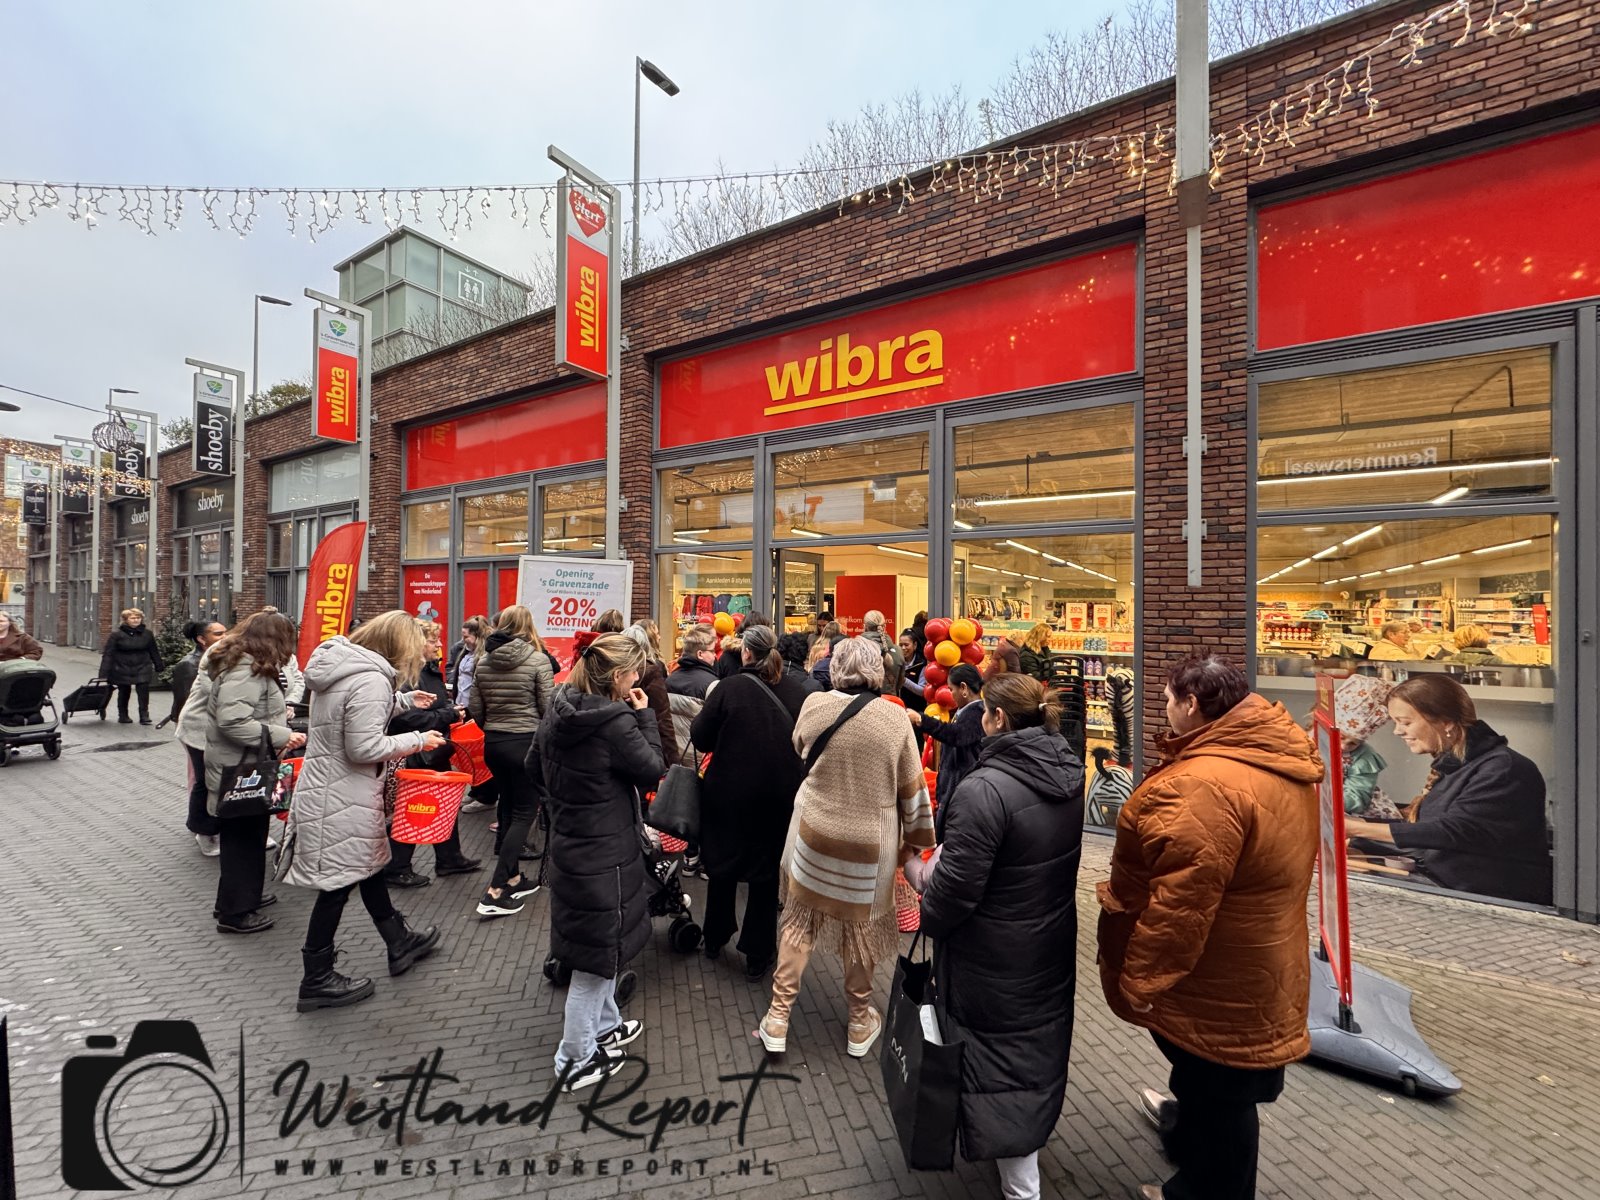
[
  {"x": 895, "y": 700},
  {"x": 947, "y": 654},
  {"x": 935, "y": 712},
  {"x": 723, "y": 624},
  {"x": 962, "y": 632}
]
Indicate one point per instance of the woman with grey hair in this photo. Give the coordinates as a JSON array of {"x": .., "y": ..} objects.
[
  {"x": 861, "y": 812},
  {"x": 747, "y": 725},
  {"x": 653, "y": 683}
]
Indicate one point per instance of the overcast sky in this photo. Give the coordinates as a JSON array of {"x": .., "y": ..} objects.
[{"x": 379, "y": 94}]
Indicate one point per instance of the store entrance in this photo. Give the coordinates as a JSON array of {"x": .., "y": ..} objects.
[
  {"x": 844, "y": 583},
  {"x": 485, "y": 589}
]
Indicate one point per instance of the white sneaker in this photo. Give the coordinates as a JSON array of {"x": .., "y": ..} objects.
[
  {"x": 475, "y": 806},
  {"x": 623, "y": 1034},
  {"x": 601, "y": 1066},
  {"x": 272, "y": 842},
  {"x": 209, "y": 844}
]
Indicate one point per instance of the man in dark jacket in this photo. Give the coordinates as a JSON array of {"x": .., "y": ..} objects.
[
  {"x": 1000, "y": 903},
  {"x": 696, "y": 670},
  {"x": 959, "y": 738},
  {"x": 131, "y": 661}
]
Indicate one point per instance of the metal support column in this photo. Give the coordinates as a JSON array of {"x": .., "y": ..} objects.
[{"x": 1194, "y": 168}]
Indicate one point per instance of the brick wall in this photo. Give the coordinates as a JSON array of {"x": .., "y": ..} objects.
[{"x": 835, "y": 259}]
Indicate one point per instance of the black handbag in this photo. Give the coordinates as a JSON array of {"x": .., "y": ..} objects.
[
  {"x": 257, "y": 786},
  {"x": 676, "y": 808},
  {"x": 921, "y": 1072}
]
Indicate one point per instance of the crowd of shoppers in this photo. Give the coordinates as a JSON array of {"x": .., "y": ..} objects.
[{"x": 813, "y": 800}]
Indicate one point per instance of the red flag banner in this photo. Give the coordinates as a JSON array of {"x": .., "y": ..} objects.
[{"x": 331, "y": 587}]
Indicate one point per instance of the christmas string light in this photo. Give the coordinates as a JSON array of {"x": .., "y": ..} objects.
[{"x": 984, "y": 174}]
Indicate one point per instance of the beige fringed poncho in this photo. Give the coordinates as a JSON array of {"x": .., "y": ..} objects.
[{"x": 862, "y": 801}]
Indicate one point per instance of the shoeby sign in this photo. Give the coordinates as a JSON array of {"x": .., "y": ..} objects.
[{"x": 219, "y": 1108}]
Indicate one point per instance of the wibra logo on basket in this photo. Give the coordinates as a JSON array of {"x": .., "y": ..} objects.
[{"x": 164, "y": 1111}]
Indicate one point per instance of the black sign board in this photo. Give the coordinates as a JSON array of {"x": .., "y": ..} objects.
[
  {"x": 131, "y": 460},
  {"x": 204, "y": 506},
  {"x": 213, "y": 437},
  {"x": 77, "y": 484},
  {"x": 36, "y": 504}
]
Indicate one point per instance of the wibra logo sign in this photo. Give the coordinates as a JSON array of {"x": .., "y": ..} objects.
[
  {"x": 214, "y": 386},
  {"x": 841, "y": 371},
  {"x": 590, "y": 216}
]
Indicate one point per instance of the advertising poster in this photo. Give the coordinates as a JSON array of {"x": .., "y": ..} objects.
[
  {"x": 331, "y": 584},
  {"x": 427, "y": 593},
  {"x": 336, "y": 372},
  {"x": 566, "y": 595},
  {"x": 35, "y": 480},
  {"x": 583, "y": 278}
]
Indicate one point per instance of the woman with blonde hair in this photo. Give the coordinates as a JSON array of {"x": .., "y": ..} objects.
[
  {"x": 511, "y": 686},
  {"x": 861, "y": 811},
  {"x": 598, "y": 747},
  {"x": 1034, "y": 656},
  {"x": 130, "y": 662},
  {"x": 339, "y": 824}
]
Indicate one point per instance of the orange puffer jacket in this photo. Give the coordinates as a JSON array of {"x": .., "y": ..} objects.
[{"x": 1204, "y": 917}]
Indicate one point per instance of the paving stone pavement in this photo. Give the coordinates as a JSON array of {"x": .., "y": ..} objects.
[{"x": 104, "y": 907}]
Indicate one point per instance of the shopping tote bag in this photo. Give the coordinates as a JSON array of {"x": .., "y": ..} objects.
[{"x": 921, "y": 1073}]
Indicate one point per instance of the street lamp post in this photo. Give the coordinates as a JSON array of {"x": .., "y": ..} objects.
[
  {"x": 643, "y": 69},
  {"x": 238, "y": 445}
]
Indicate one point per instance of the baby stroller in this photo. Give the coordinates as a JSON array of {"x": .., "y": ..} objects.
[
  {"x": 24, "y": 696},
  {"x": 667, "y": 899}
]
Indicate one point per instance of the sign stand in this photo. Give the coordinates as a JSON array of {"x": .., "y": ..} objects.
[{"x": 1372, "y": 1035}]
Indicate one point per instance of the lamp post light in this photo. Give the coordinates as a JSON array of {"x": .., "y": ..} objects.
[
  {"x": 643, "y": 69},
  {"x": 239, "y": 418}
]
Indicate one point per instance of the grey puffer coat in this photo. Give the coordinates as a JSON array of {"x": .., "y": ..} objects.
[
  {"x": 239, "y": 705},
  {"x": 511, "y": 684},
  {"x": 338, "y": 821}
]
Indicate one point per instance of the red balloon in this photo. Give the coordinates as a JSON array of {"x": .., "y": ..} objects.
[
  {"x": 935, "y": 674},
  {"x": 944, "y": 698},
  {"x": 979, "y": 627},
  {"x": 927, "y": 650},
  {"x": 703, "y": 621},
  {"x": 972, "y": 653},
  {"x": 895, "y": 700},
  {"x": 930, "y": 694},
  {"x": 937, "y": 630}
]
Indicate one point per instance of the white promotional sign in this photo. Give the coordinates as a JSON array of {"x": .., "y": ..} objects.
[{"x": 566, "y": 595}]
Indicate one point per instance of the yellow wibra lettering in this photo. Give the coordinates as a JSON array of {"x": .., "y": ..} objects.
[{"x": 837, "y": 373}]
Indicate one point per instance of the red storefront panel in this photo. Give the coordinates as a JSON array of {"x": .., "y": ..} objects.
[
  {"x": 1067, "y": 320},
  {"x": 1508, "y": 228},
  {"x": 427, "y": 593},
  {"x": 553, "y": 430}
]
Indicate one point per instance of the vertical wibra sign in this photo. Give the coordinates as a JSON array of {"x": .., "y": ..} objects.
[
  {"x": 584, "y": 244},
  {"x": 336, "y": 350},
  {"x": 213, "y": 425}
]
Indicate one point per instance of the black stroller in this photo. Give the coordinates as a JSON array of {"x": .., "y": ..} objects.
[
  {"x": 667, "y": 899},
  {"x": 24, "y": 697}
]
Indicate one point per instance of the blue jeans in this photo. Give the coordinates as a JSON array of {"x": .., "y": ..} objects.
[{"x": 591, "y": 1011}]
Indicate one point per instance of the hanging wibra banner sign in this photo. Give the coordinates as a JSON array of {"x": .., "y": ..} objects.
[
  {"x": 133, "y": 460},
  {"x": 212, "y": 448},
  {"x": 336, "y": 370},
  {"x": 331, "y": 587},
  {"x": 35, "y": 493},
  {"x": 584, "y": 231}
]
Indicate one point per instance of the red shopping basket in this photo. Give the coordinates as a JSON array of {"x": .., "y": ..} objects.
[
  {"x": 467, "y": 757},
  {"x": 426, "y": 804},
  {"x": 907, "y": 904},
  {"x": 296, "y": 763}
]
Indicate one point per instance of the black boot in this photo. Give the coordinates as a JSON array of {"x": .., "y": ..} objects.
[
  {"x": 323, "y": 987},
  {"x": 406, "y": 946}
]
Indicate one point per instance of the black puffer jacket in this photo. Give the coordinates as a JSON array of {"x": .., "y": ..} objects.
[
  {"x": 1481, "y": 826},
  {"x": 511, "y": 683},
  {"x": 1000, "y": 907},
  {"x": 692, "y": 678},
  {"x": 596, "y": 755},
  {"x": 748, "y": 796},
  {"x": 440, "y": 716},
  {"x": 130, "y": 656}
]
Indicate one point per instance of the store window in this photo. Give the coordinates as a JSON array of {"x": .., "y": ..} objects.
[
  {"x": 1068, "y": 466},
  {"x": 280, "y": 545},
  {"x": 873, "y": 487},
  {"x": 692, "y": 588},
  {"x": 314, "y": 480},
  {"x": 1073, "y": 596},
  {"x": 573, "y": 516},
  {"x": 427, "y": 529},
  {"x": 1407, "y": 524},
  {"x": 1434, "y": 433},
  {"x": 707, "y": 502},
  {"x": 494, "y": 524}
]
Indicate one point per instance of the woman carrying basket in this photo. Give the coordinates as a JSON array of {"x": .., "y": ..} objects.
[{"x": 338, "y": 825}]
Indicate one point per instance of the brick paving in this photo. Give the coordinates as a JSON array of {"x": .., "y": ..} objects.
[{"x": 104, "y": 907}]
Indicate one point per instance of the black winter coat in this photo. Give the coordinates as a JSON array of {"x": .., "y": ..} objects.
[
  {"x": 596, "y": 756},
  {"x": 692, "y": 678},
  {"x": 131, "y": 656},
  {"x": 1000, "y": 907},
  {"x": 184, "y": 672},
  {"x": 1481, "y": 827},
  {"x": 747, "y": 796},
  {"x": 440, "y": 715}
]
